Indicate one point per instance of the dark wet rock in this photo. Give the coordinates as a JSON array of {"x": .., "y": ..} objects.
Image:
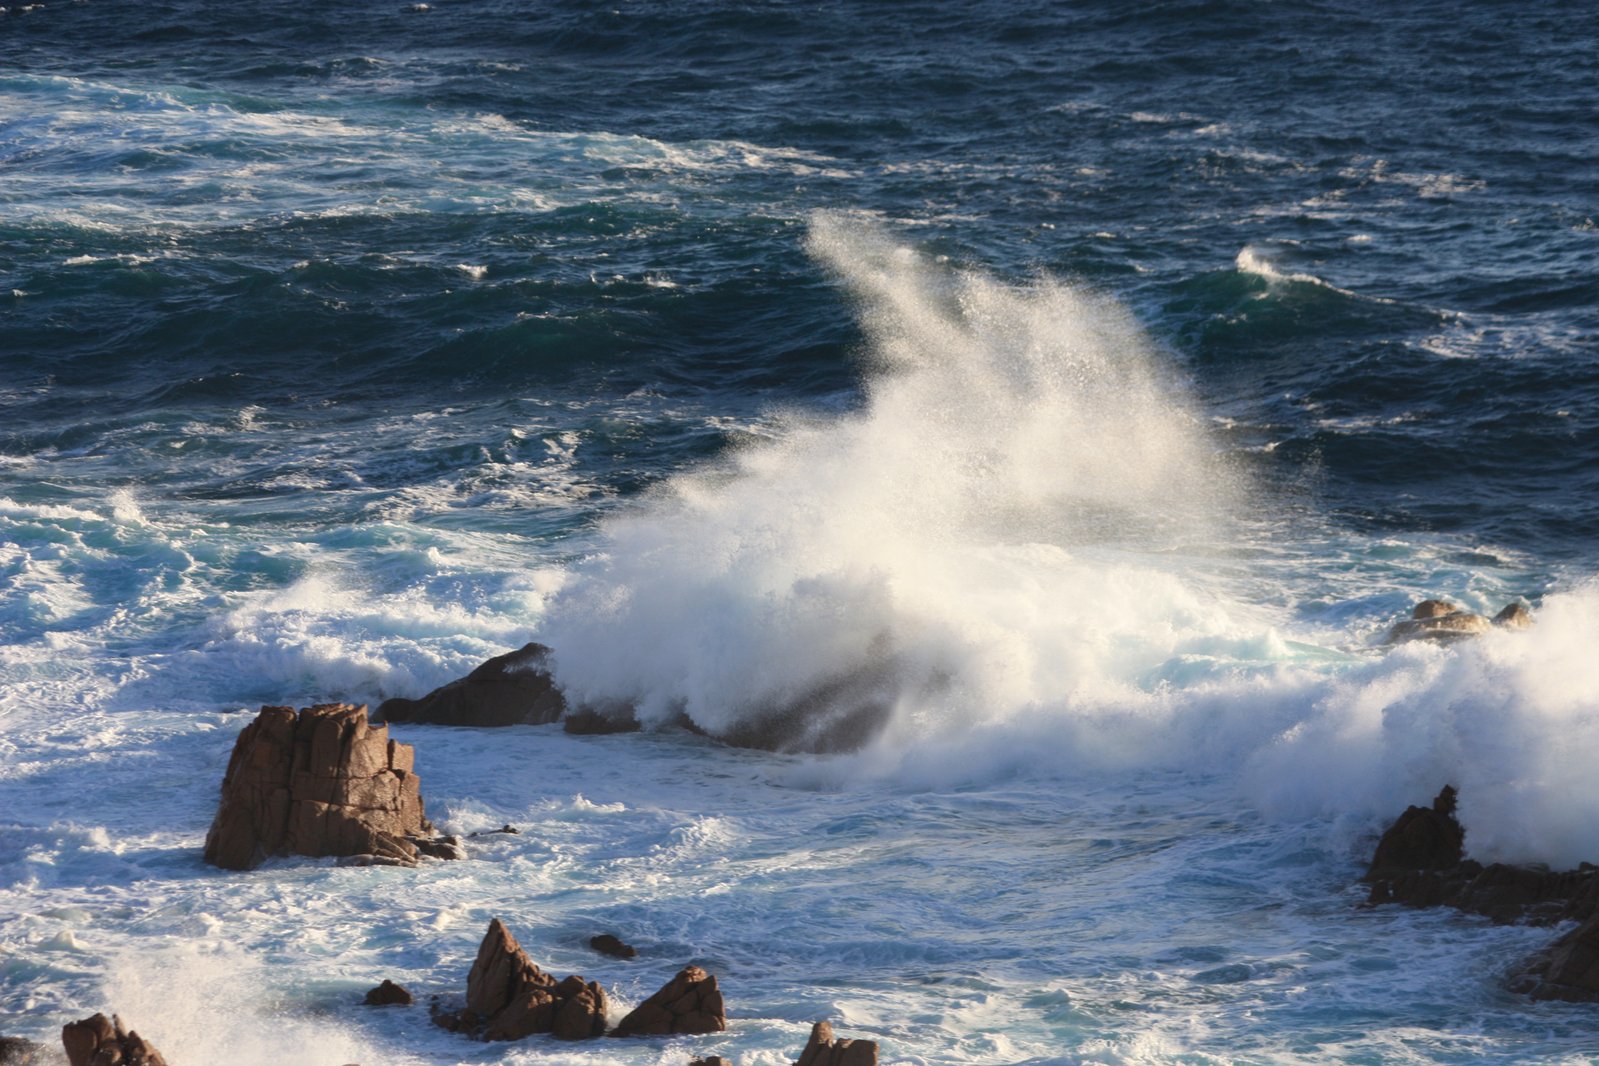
[
  {"x": 388, "y": 994},
  {"x": 102, "y": 1041},
  {"x": 15, "y": 1051},
  {"x": 714, "y": 1060},
  {"x": 689, "y": 1003},
  {"x": 823, "y": 1049},
  {"x": 322, "y": 781},
  {"x": 586, "y": 721},
  {"x": 1514, "y": 616},
  {"x": 509, "y": 830},
  {"x": 508, "y": 997},
  {"x": 509, "y": 689},
  {"x": 608, "y": 944},
  {"x": 1444, "y": 623},
  {"x": 1568, "y": 970},
  {"x": 844, "y": 714},
  {"x": 1423, "y": 838},
  {"x": 443, "y": 847},
  {"x": 1413, "y": 867}
]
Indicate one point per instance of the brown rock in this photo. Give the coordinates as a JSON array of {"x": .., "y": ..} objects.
[
  {"x": 688, "y": 1003},
  {"x": 102, "y": 1041},
  {"x": 509, "y": 689},
  {"x": 586, "y": 721},
  {"x": 714, "y": 1060},
  {"x": 508, "y": 997},
  {"x": 1514, "y": 616},
  {"x": 607, "y": 944},
  {"x": 1433, "y": 609},
  {"x": 388, "y": 994},
  {"x": 824, "y": 1050},
  {"x": 320, "y": 782}
]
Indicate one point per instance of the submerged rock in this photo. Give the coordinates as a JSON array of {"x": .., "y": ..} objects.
[
  {"x": 102, "y": 1041},
  {"x": 1444, "y": 623},
  {"x": 509, "y": 689},
  {"x": 823, "y": 1049},
  {"x": 688, "y": 1003},
  {"x": 586, "y": 721},
  {"x": 319, "y": 782},
  {"x": 609, "y": 944},
  {"x": 388, "y": 994},
  {"x": 508, "y": 997}
]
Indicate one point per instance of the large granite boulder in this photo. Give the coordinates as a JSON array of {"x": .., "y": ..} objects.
[
  {"x": 509, "y": 689},
  {"x": 102, "y": 1041},
  {"x": 508, "y": 997},
  {"x": 321, "y": 781},
  {"x": 689, "y": 1003},
  {"x": 823, "y": 1049}
]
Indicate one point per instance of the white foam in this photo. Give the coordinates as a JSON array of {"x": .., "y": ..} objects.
[{"x": 1020, "y": 452}]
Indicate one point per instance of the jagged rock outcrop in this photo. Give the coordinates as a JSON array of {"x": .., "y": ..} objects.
[
  {"x": 509, "y": 689},
  {"x": 1444, "y": 623},
  {"x": 508, "y": 997},
  {"x": 714, "y": 1060},
  {"x": 1419, "y": 863},
  {"x": 389, "y": 994},
  {"x": 1423, "y": 838},
  {"x": 319, "y": 782},
  {"x": 102, "y": 1041},
  {"x": 823, "y": 1049},
  {"x": 688, "y": 1003},
  {"x": 609, "y": 944},
  {"x": 1568, "y": 970}
]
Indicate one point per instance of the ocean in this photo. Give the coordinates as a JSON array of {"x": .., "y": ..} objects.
[{"x": 1091, "y": 384}]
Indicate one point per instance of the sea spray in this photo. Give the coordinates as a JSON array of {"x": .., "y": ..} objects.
[{"x": 1003, "y": 523}]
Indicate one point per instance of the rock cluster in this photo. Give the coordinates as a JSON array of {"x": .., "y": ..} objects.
[
  {"x": 320, "y": 782},
  {"x": 824, "y": 1050},
  {"x": 841, "y": 714},
  {"x": 102, "y": 1041},
  {"x": 1444, "y": 623},
  {"x": 508, "y": 997},
  {"x": 509, "y": 689},
  {"x": 687, "y": 1004},
  {"x": 1419, "y": 862}
]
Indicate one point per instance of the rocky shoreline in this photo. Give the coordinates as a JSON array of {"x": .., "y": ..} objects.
[{"x": 1420, "y": 861}]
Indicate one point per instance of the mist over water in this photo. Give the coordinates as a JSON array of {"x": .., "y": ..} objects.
[{"x": 1001, "y": 521}]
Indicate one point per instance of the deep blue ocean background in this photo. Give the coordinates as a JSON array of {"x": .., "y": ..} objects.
[{"x": 345, "y": 344}]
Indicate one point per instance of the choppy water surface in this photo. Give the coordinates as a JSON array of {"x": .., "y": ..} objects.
[{"x": 1094, "y": 387}]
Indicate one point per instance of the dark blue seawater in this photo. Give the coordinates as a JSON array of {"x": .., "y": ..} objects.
[{"x": 1109, "y": 377}]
